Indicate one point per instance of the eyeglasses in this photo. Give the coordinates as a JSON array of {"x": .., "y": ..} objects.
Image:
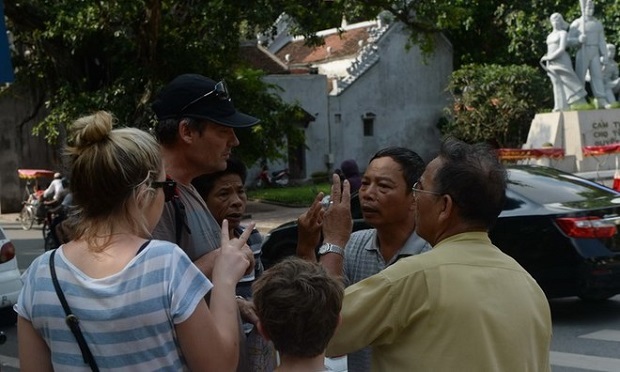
[
  {"x": 168, "y": 186},
  {"x": 416, "y": 189},
  {"x": 220, "y": 91}
]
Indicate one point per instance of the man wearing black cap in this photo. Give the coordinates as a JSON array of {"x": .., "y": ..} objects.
[{"x": 196, "y": 122}]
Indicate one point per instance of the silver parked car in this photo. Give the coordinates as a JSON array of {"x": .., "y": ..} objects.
[{"x": 10, "y": 280}]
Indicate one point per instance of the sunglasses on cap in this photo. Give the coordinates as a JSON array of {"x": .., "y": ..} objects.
[
  {"x": 220, "y": 91},
  {"x": 168, "y": 186}
]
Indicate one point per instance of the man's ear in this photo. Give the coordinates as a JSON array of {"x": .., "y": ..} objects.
[
  {"x": 185, "y": 132},
  {"x": 448, "y": 208},
  {"x": 262, "y": 331},
  {"x": 413, "y": 203}
]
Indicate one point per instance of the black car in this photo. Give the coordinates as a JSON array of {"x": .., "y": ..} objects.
[{"x": 561, "y": 228}]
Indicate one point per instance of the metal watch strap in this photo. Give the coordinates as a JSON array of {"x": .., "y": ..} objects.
[{"x": 331, "y": 248}]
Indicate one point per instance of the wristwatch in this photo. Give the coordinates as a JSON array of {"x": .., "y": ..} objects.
[{"x": 329, "y": 247}]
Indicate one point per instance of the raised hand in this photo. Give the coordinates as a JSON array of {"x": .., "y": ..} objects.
[
  {"x": 233, "y": 260},
  {"x": 337, "y": 221},
  {"x": 309, "y": 229}
]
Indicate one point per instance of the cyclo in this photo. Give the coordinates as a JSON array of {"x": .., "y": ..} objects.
[
  {"x": 32, "y": 192},
  {"x": 32, "y": 209}
]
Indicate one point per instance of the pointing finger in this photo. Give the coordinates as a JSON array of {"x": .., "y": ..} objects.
[
  {"x": 247, "y": 232},
  {"x": 225, "y": 235},
  {"x": 335, "y": 189}
]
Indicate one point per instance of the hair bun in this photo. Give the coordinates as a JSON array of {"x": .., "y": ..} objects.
[{"x": 92, "y": 129}]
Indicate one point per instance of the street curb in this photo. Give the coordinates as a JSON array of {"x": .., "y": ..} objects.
[{"x": 9, "y": 217}]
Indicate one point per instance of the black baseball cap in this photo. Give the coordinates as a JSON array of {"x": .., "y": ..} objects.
[{"x": 197, "y": 96}]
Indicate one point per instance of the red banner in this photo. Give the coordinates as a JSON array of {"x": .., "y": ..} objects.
[
  {"x": 519, "y": 154},
  {"x": 601, "y": 150}
]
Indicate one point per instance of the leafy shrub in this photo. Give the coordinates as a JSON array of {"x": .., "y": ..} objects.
[
  {"x": 496, "y": 103},
  {"x": 320, "y": 177},
  {"x": 298, "y": 196}
]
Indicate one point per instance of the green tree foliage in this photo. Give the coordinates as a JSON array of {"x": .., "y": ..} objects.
[
  {"x": 116, "y": 54},
  {"x": 496, "y": 103},
  {"x": 501, "y": 32},
  {"x": 84, "y": 55}
]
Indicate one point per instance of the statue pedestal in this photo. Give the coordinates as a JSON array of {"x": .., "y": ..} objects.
[{"x": 574, "y": 130}]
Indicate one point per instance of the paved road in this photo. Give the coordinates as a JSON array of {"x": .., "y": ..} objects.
[
  {"x": 267, "y": 216},
  {"x": 586, "y": 336}
]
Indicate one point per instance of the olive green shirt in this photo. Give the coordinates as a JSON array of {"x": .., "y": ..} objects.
[{"x": 462, "y": 306}]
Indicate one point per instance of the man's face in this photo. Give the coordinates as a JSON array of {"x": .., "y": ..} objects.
[
  {"x": 227, "y": 200},
  {"x": 428, "y": 205},
  {"x": 211, "y": 148},
  {"x": 384, "y": 196}
]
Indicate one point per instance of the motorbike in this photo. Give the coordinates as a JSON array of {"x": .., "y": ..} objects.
[
  {"x": 45, "y": 213},
  {"x": 275, "y": 178},
  {"x": 28, "y": 215}
]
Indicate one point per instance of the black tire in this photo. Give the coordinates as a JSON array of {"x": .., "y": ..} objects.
[
  {"x": 49, "y": 242},
  {"x": 26, "y": 217},
  {"x": 8, "y": 316}
]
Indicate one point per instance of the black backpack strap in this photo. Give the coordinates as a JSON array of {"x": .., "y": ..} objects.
[
  {"x": 179, "y": 215},
  {"x": 179, "y": 218},
  {"x": 72, "y": 321}
]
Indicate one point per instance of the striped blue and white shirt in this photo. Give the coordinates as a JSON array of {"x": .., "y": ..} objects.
[{"x": 127, "y": 318}]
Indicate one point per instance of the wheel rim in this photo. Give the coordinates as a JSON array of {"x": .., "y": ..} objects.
[{"x": 26, "y": 218}]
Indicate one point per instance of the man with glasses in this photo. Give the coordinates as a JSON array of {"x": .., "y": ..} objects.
[
  {"x": 464, "y": 305},
  {"x": 196, "y": 129},
  {"x": 388, "y": 205}
]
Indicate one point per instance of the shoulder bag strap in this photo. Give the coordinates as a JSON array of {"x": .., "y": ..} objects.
[
  {"x": 72, "y": 321},
  {"x": 179, "y": 214},
  {"x": 179, "y": 218}
]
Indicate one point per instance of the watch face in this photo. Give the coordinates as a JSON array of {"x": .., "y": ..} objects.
[
  {"x": 324, "y": 249},
  {"x": 328, "y": 247}
]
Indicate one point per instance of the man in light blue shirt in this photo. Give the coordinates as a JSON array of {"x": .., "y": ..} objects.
[{"x": 388, "y": 205}]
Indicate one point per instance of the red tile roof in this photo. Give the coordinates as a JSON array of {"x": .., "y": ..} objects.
[
  {"x": 260, "y": 58},
  {"x": 342, "y": 45}
]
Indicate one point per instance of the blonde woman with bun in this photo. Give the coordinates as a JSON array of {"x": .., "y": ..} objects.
[{"x": 139, "y": 301}]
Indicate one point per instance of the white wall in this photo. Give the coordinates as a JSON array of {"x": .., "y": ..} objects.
[
  {"x": 310, "y": 91},
  {"x": 406, "y": 96}
]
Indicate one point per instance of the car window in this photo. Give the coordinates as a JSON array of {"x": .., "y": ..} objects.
[{"x": 547, "y": 185}]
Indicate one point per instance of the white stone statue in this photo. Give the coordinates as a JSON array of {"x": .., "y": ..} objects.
[
  {"x": 588, "y": 35},
  {"x": 567, "y": 88},
  {"x": 610, "y": 75}
]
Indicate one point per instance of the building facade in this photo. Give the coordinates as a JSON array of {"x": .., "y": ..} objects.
[{"x": 367, "y": 88}]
